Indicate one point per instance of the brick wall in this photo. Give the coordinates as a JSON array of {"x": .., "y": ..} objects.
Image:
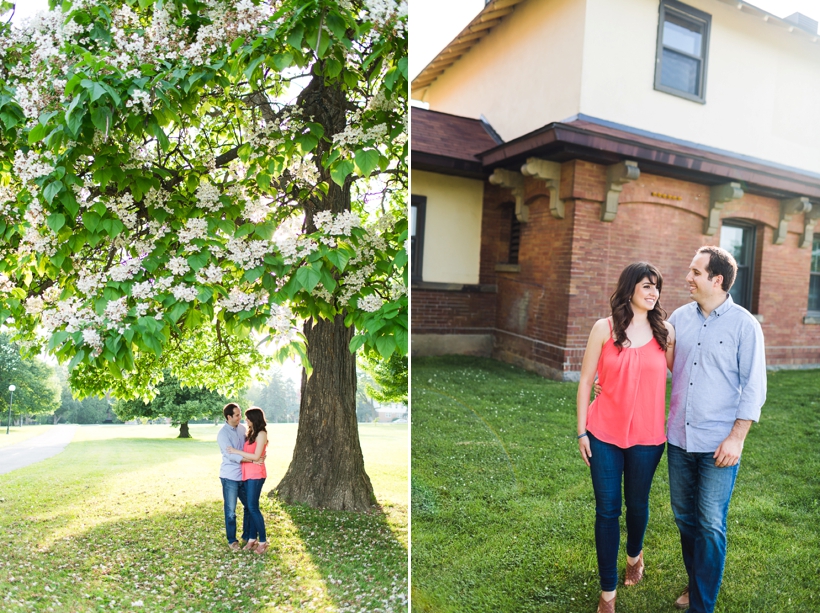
[{"x": 542, "y": 314}]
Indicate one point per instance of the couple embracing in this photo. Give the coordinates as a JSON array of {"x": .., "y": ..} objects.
[
  {"x": 714, "y": 349},
  {"x": 243, "y": 474}
]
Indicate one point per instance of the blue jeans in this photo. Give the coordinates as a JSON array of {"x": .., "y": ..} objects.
[
  {"x": 700, "y": 494},
  {"x": 257, "y": 527},
  {"x": 637, "y": 465},
  {"x": 231, "y": 490}
]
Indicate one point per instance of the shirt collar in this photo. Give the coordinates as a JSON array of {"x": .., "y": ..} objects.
[{"x": 722, "y": 309}]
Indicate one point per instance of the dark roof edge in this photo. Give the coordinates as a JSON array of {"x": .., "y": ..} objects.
[
  {"x": 686, "y": 143},
  {"x": 491, "y": 131}
]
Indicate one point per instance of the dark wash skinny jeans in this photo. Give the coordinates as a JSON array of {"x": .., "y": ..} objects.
[{"x": 637, "y": 466}]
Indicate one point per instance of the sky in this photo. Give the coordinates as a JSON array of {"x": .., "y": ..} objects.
[{"x": 434, "y": 23}]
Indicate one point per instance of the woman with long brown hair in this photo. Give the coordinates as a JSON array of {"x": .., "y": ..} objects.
[
  {"x": 621, "y": 434},
  {"x": 254, "y": 475}
]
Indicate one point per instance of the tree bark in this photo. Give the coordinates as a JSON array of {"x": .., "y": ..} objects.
[
  {"x": 327, "y": 469},
  {"x": 183, "y": 430}
]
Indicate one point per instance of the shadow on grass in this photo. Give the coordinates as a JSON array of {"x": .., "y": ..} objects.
[{"x": 321, "y": 560}]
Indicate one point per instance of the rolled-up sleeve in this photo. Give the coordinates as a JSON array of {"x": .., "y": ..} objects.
[{"x": 752, "y": 370}]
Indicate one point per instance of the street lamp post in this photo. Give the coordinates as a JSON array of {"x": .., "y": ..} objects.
[{"x": 11, "y": 401}]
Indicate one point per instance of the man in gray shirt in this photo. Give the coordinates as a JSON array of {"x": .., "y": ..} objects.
[
  {"x": 718, "y": 389},
  {"x": 232, "y": 434}
]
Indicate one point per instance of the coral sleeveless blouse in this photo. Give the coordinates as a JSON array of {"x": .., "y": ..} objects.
[
  {"x": 631, "y": 407},
  {"x": 249, "y": 469}
]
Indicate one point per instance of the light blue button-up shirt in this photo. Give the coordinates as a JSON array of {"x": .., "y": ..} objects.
[
  {"x": 719, "y": 374},
  {"x": 231, "y": 463}
]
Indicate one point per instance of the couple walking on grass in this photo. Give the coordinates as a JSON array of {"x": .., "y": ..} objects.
[
  {"x": 243, "y": 474},
  {"x": 714, "y": 349}
]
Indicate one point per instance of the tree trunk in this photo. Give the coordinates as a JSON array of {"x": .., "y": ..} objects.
[
  {"x": 183, "y": 430},
  {"x": 327, "y": 469}
]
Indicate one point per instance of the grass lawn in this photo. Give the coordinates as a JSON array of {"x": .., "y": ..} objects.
[
  {"x": 18, "y": 434},
  {"x": 503, "y": 509},
  {"x": 129, "y": 518}
]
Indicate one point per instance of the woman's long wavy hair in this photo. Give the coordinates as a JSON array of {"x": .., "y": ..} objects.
[
  {"x": 621, "y": 303},
  {"x": 256, "y": 417}
]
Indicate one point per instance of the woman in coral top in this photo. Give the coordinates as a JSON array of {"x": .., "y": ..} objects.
[
  {"x": 256, "y": 439},
  {"x": 621, "y": 434}
]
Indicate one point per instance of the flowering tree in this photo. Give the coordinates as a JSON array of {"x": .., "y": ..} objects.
[{"x": 178, "y": 177}]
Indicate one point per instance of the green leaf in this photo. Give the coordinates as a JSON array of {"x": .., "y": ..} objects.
[
  {"x": 252, "y": 66},
  {"x": 308, "y": 277},
  {"x": 78, "y": 357},
  {"x": 307, "y": 142},
  {"x": 338, "y": 258},
  {"x": 356, "y": 342},
  {"x": 340, "y": 171},
  {"x": 386, "y": 346},
  {"x": 265, "y": 230},
  {"x": 198, "y": 260},
  {"x": 101, "y": 118},
  {"x": 51, "y": 190},
  {"x": 366, "y": 160},
  {"x": 91, "y": 221},
  {"x": 55, "y": 221},
  {"x": 296, "y": 36},
  {"x": 332, "y": 68},
  {"x": 36, "y": 134},
  {"x": 176, "y": 312}
]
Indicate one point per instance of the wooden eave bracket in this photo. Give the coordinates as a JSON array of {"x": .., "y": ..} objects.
[
  {"x": 719, "y": 195},
  {"x": 788, "y": 209},
  {"x": 550, "y": 174},
  {"x": 810, "y": 218},
  {"x": 617, "y": 176},
  {"x": 515, "y": 182}
]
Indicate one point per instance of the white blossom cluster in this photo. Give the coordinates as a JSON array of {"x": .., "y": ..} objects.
[
  {"x": 211, "y": 274},
  {"x": 184, "y": 292},
  {"x": 247, "y": 254},
  {"x": 257, "y": 211},
  {"x": 29, "y": 166},
  {"x": 340, "y": 225},
  {"x": 140, "y": 98},
  {"x": 237, "y": 300},
  {"x": 195, "y": 228},
  {"x": 207, "y": 196},
  {"x": 370, "y": 303},
  {"x": 6, "y": 284},
  {"x": 383, "y": 12}
]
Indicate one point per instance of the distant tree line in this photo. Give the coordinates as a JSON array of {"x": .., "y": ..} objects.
[{"x": 43, "y": 395}]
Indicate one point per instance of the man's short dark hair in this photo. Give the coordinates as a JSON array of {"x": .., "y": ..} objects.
[
  {"x": 721, "y": 262},
  {"x": 229, "y": 409}
]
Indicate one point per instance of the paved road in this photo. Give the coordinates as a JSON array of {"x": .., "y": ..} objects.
[{"x": 36, "y": 449}]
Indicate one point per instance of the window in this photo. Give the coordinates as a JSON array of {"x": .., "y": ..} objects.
[
  {"x": 515, "y": 240},
  {"x": 683, "y": 44},
  {"x": 418, "y": 209},
  {"x": 814, "y": 279},
  {"x": 739, "y": 239}
]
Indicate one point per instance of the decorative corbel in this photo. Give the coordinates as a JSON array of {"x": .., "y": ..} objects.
[
  {"x": 514, "y": 181},
  {"x": 810, "y": 218},
  {"x": 617, "y": 176},
  {"x": 788, "y": 208},
  {"x": 719, "y": 195},
  {"x": 550, "y": 174}
]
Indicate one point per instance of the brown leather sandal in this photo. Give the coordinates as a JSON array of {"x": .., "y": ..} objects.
[
  {"x": 250, "y": 545},
  {"x": 683, "y": 600},
  {"x": 606, "y": 606},
  {"x": 634, "y": 572},
  {"x": 261, "y": 548}
]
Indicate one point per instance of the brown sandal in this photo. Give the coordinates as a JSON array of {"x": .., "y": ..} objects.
[
  {"x": 250, "y": 545},
  {"x": 634, "y": 572},
  {"x": 606, "y": 606},
  {"x": 683, "y": 600},
  {"x": 261, "y": 548}
]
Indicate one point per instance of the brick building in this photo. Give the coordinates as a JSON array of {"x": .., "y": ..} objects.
[{"x": 567, "y": 138}]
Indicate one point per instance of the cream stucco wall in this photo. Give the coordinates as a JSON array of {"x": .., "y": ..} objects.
[
  {"x": 524, "y": 74},
  {"x": 762, "y": 88},
  {"x": 552, "y": 59},
  {"x": 452, "y": 235}
]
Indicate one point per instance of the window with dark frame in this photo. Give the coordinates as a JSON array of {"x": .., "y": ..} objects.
[
  {"x": 418, "y": 210},
  {"x": 814, "y": 277},
  {"x": 515, "y": 240},
  {"x": 682, "y": 51},
  {"x": 738, "y": 238}
]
